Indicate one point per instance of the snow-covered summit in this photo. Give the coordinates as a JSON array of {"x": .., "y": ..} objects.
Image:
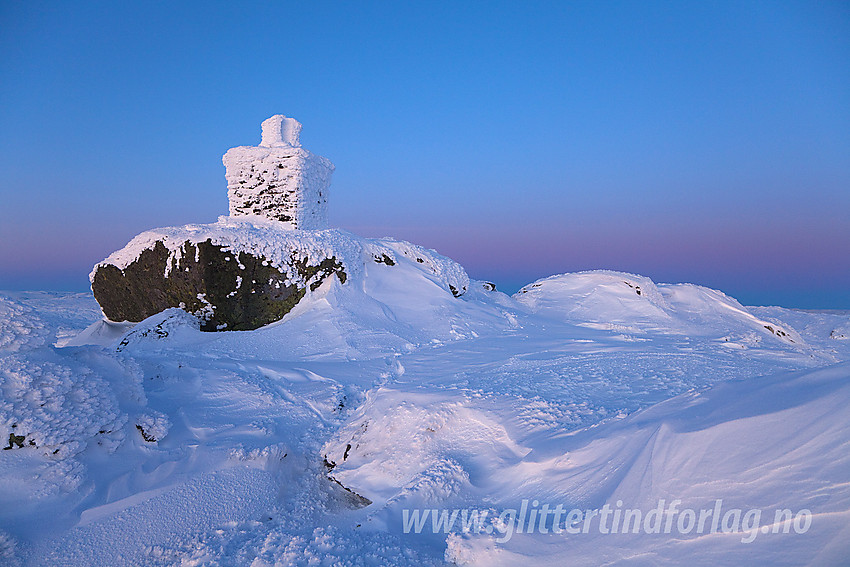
[
  {"x": 251, "y": 268},
  {"x": 279, "y": 179},
  {"x": 176, "y": 447}
]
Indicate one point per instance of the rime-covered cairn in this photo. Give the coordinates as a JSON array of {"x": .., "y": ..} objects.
[
  {"x": 279, "y": 179},
  {"x": 251, "y": 268}
]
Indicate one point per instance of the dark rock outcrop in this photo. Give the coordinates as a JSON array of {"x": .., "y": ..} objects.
[{"x": 227, "y": 290}]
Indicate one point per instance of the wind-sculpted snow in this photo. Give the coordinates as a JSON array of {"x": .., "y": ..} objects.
[
  {"x": 303, "y": 442},
  {"x": 20, "y": 329},
  {"x": 46, "y": 404},
  {"x": 828, "y": 329},
  {"x": 54, "y": 407},
  {"x": 760, "y": 445}
]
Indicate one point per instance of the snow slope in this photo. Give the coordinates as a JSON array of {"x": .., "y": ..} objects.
[{"x": 303, "y": 442}]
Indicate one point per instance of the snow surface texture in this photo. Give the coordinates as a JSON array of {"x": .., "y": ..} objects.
[
  {"x": 177, "y": 447},
  {"x": 19, "y": 330},
  {"x": 279, "y": 179}
]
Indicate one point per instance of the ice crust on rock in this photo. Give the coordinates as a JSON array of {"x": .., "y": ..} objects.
[{"x": 279, "y": 179}]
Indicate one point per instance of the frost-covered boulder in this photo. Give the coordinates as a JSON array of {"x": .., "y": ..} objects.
[
  {"x": 245, "y": 272},
  {"x": 598, "y": 296},
  {"x": 235, "y": 275}
]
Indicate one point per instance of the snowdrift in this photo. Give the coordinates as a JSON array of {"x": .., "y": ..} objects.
[
  {"x": 636, "y": 304},
  {"x": 766, "y": 444}
]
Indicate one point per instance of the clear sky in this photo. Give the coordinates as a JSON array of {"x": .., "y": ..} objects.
[{"x": 706, "y": 142}]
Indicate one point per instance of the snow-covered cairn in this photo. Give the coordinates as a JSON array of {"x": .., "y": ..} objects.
[
  {"x": 279, "y": 179},
  {"x": 251, "y": 268}
]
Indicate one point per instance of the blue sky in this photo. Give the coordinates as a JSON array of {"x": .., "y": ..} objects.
[{"x": 706, "y": 142}]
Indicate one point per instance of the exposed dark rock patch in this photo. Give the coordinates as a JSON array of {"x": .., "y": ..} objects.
[
  {"x": 778, "y": 332},
  {"x": 233, "y": 291},
  {"x": 634, "y": 287},
  {"x": 351, "y": 498},
  {"x": 15, "y": 441},
  {"x": 384, "y": 259},
  {"x": 145, "y": 435}
]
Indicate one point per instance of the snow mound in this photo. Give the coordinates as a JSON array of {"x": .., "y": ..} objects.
[
  {"x": 415, "y": 448},
  {"x": 636, "y": 304},
  {"x": 170, "y": 324},
  {"x": 827, "y": 329},
  {"x": 102, "y": 332},
  {"x": 598, "y": 297}
]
